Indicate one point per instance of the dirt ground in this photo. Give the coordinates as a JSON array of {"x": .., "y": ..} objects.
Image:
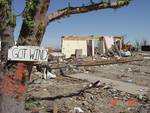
[
  {"x": 69, "y": 95},
  {"x": 134, "y": 72}
]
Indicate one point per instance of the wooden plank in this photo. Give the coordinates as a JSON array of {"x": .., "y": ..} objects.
[
  {"x": 110, "y": 61},
  {"x": 80, "y": 38}
]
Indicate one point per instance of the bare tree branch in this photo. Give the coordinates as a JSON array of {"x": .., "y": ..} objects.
[{"x": 84, "y": 9}]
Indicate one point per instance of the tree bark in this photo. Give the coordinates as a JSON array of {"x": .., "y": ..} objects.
[
  {"x": 14, "y": 75},
  {"x": 34, "y": 35},
  {"x": 7, "y": 39},
  {"x": 7, "y": 25},
  {"x": 13, "y": 88}
]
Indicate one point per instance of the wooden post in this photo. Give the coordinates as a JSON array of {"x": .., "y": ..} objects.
[{"x": 55, "y": 108}]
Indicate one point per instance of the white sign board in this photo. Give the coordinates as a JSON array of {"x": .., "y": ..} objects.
[{"x": 27, "y": 53}]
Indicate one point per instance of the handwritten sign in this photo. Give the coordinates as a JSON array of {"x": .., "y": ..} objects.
[{"x": 27, "y": 53}]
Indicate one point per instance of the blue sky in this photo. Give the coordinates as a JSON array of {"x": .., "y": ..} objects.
[{"x": 132, "y": 21}]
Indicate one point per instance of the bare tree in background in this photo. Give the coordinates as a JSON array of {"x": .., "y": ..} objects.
[
  {"x": 145, "y": 42},
  {"x": 137, "y": 45},
  {"x": 14, "y": 75}
]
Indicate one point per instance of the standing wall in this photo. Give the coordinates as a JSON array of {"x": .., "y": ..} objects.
[{"x": 69, "y": 47}]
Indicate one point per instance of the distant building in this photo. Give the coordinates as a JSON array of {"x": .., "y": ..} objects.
[
  {"x": 79, "y": 45},
  {"x": 84, "y": 45},
  {"x": 145, "y": 48},
  {"x": 106, "y": 42}
]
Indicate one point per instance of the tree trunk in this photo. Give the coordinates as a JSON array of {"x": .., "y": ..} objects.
[
  {"x": 7, "y": 40},
  {"x": 13, "y": 88},
  {"x": 10, "y": 105},
  {"x": 14, "y": 75}
]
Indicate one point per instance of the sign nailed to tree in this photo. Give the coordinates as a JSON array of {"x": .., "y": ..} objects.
[{"x": 27, "y": 53}]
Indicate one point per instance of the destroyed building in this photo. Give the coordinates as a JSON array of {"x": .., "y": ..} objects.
[
  {"x": 78, "y": 45},
  {"x": 106, "y": 42},
  {"x": 85, "y": 45}
]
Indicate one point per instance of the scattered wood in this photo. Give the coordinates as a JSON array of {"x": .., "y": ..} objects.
[
  {"x": 90, "y": 62},
  {"x": 110, "y": 61},
  {"x": 55, "y": 108}
]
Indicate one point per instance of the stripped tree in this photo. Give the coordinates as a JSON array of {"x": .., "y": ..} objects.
[{"x": 14, "y": 75}]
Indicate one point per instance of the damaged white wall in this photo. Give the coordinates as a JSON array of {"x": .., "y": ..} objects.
[
  {"x": 86, "y": 43},
  {"x": 101, "y": 47},
  {"x": 69, "y": 46},
  {"x": 106, "y": 42}
]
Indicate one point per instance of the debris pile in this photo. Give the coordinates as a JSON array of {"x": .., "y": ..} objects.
[
  {"x": 94, "y": 97},
  {"x": 51, "y": 90}
]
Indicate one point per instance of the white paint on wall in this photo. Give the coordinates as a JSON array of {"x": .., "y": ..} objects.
[
  {"x": 93, "y": 47},
  {"x": 69, "y": 47},
  {"x": 106, "y": 42},
  {"x": 101, "y": 46}
]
